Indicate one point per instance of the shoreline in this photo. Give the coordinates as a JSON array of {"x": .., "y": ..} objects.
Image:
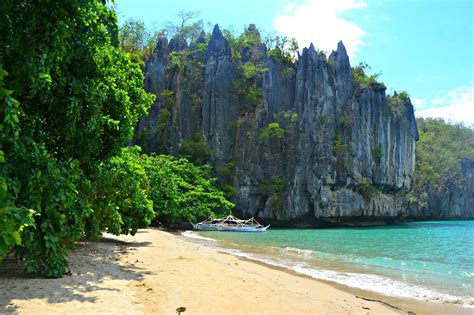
[
  {"x": 158, "y": 272},
  {"x": 401, "y": 304}
]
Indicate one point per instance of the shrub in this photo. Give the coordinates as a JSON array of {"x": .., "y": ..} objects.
[
  {"x": 54, "y": 189},
  {"x": 367, "y": 190},
  {"x": 363, "y": 80},
  {"x": 181, "y": 190},
  {"x": 345, "y": 120},
  {"x": 399, "y": 103},
  {"x": 195, "y": 149},
  {"x": 272, "y": 130},
  {"x": 274, "y": 188},
  {"x": 377, "y": 153},
  {"x": 120, "y": 196}
]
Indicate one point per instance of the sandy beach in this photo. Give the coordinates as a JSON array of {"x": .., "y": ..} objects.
[{"x": 156, "y": 272}]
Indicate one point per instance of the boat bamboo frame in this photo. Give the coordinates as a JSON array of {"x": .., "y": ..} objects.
[{"x": 230, "y": 224}]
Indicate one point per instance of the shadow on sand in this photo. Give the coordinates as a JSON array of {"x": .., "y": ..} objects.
[{"x": 90, "y": 264}]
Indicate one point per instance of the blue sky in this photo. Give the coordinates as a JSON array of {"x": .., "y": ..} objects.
[{"x": 422, "y": 46}]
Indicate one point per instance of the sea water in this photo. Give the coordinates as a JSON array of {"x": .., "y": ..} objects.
[{"x": 422, "y": 260}]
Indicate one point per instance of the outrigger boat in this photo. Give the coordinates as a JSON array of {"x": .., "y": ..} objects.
[{"x": 230, "y": 224}]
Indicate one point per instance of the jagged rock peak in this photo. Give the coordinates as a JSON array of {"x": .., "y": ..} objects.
[
  {"x": 177, "y": 44},
  {"x": 340, "y": 53},
  {"x": 253, "y": 30},
  {"x": 218, "y": 45},
  {"x": 341, "y": 59},
  {"x": 341, "y": 50},
  {"x": 313, "y": 55},
  {"x": 161, "y": 49},
  {"x": 202, "y": 37}
]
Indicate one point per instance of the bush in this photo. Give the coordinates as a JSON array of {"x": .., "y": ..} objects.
[
  {"x": 195, "y": 149},
  {"x": 182, "y": 191},
  {"x": 274, "y": 188},
  {"x": 399, "y": 103},
  {"x": 366, "y": 81},
  {"x": 120, "y": 196},
  {"x": 13, "y": 219},
  {"x": 367, "y": 190},
  {"x": 54, "y": 189},
  {"x": 377, "y": 153},
  {"x": 272, "y": 130}
]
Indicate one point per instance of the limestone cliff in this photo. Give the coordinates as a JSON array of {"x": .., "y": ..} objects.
[{"x": 302, "y": 140}]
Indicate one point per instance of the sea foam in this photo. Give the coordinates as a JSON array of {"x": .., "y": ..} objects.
[{"x": 368, "y": 282}]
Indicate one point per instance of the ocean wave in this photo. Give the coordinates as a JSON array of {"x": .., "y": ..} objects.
[
  {"x": 300, "y": 252},
  {"x": 193, "y": 235},
  {"x": 369, "y": 282},
  {"x": 382, "y": 285},
  {"x": 414, "y": 266}
]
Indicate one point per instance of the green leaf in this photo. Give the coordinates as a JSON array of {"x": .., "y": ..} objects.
[{"x": 16, "y": 237}]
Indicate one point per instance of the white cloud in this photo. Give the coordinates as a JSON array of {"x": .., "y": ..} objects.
[
  {"x": 318, "y": 21},
  {"x": 418, "y": 102},
  {"x": 456, "y": 106},
  {"x": 438, "y": 100}
]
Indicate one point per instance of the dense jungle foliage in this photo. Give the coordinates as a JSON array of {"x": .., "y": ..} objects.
[{"x": 70, "y": 99}]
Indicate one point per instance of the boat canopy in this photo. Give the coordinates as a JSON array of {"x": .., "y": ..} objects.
[
  {"x": 230, "y": 224},
  {"x": 230, "y": 219}
]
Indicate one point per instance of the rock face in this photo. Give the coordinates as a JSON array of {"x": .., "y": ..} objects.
[
  {"x": 315, "y": 145},
  {"x": 454, "y": 200}
]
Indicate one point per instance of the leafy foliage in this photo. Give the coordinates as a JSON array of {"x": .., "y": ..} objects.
[
  {"x": 181, "y": 190},
  {"x": 196, "y": 149},
  {"x": 247, "y": 55},
  {"x": 366, "y": 81},
  {"x": 274, "y": 188},
  {"x": 247, "y": 85},
  {"x": 77, "y": 88},
  {"x": 377, "y": 153},
  {"x": 137, "y": 40},
  {"x": 13, "y": 219},
  {"x": 398, "y": 103},
  {"x": 120, "y": 196},
  {"x": 367, "y": 190},
  {"x": 79, "y": 98},
  {"x": 57, "y": 191},
  {"x": 272, "y": 130},
  {"x": 284, "y": 123},
  {"x": 282, "y": 48}
]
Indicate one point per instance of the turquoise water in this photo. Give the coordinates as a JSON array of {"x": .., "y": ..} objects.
[{"x": 423, "y": 260}]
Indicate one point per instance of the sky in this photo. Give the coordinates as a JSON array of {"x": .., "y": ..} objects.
[{"x": 425, "y": 47}]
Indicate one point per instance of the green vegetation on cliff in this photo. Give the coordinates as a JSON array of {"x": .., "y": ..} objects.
[{"x": 439, "y": 151}]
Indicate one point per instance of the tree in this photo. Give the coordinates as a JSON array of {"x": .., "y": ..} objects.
[
  {"x": 133, "y": 36},
  {"x": 181, "y": 190},
  {"x": 13, "y": 219},
  {"x": 81, "y": 94},
  {"x": 184, "y": 29},
  {"x": 137, "y": 40},
  {"x": 70, "y": 101},
  {"x": 120, "y": 194}
]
